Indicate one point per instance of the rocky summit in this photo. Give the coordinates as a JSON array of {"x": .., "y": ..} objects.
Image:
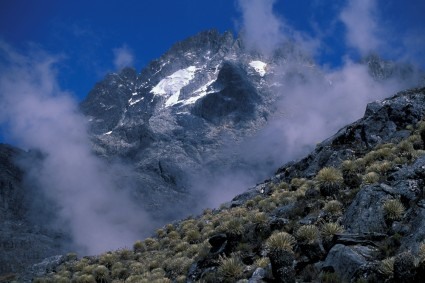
[{"x": 350, "y": 211}]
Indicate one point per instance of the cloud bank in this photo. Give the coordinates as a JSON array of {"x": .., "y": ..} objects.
[
  {"x": 39, "y": 115},
  {"x": 313, "y": 102},
  {"x": 360, "y": 20}
]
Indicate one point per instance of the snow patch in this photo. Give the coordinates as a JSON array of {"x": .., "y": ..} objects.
[
  {"x": 199, "y": 93},
  {"x": 259, "y": 67},
  {"x": 132, "y": 102},
  {"x": 172, "y": 84}
]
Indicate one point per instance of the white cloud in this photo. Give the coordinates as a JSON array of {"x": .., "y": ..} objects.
[
  {"x": 361, "y": 22},
  {"x": 123, "y": 57},
  {"x": 264, "y": 31},
  {"x": 39, "y": 115},
  {"x": 262, "y": 28}
]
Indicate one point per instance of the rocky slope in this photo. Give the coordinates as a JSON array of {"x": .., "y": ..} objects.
[
  {"x": 351, "y": 211},
  {"x": 178, "y": 118}
]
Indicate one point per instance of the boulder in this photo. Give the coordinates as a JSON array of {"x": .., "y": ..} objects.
[{"x": 345, "y": 260}]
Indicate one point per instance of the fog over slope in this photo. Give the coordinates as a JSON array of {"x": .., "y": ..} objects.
[
  {"x": 39, "y": 115},
  {"x": 94, "y": 196}
]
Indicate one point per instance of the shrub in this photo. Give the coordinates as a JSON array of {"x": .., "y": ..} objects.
[
  {"x": 308, "y": 234},
  {"x": 296, "y": 183},
  {"x": 330, "y": 277},
  {"x": 280, "y": 241},
  {"x": 371, "y": 178},
  {"x": 233, "y": 226},
  {"x": 393, "y": 209},
  {"x": 329, "y": 181},
  {"x": 250, "y": 203},
  {"x": 386, "y": 266},
  {"x": 193, "y": 236},
  {"x": 262, "y": 262},
  {"x": 151, "y": 244},
  {"x": 86, "y": 278},
  {"x": 137, "y": 268},
  {"x": 349, "y": 166},
  {"x": 231, "y": 268},
  {"x": 380, "y": 167},
  {"x": 108, "y": 259},
  {"x": 178, "y": 266},
  {"x": 138, "y": 247},
  {"x": 161, "y": 233},
  {"x": 174, "y": 235},
  {"x": 259, "y": 218},
  {"x": 101, "y": 274},
  {"x": 330, "y": 229},
  {"x": 333, "y": 207},
  {"x": 266, "y": 205},
  {"x": 126, "y": 254}
]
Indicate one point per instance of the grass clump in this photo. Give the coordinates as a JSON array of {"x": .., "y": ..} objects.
[
  {"x": 101, "y": 274},
  {"x": 371, "y": 178},
  {"x": 308, "y": 234},
  {"x": 386, "y": 266},
  {"x": 329, "y": 180},
  {"x": 231, "y": 268},
  {"x": 333, "y": 207},
  {"x": 281, "y": 241},
  {"x": 393, "y": 209},
  {"x": 328, "y": 230}
]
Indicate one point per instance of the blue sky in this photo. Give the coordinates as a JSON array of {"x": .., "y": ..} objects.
[{"x": 89, "y": 35}]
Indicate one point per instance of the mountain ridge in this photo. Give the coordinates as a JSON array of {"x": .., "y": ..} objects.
[{"x": 183, "y": 114}]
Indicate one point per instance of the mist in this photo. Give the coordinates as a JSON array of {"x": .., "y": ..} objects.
[
  {"x": 88, "y": 192},
  {"x": 313, "y": 101}
]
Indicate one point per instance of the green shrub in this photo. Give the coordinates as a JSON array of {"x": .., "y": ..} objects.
[
  {"x": 328, "y": 230},
  {"x": 280, "y": 241},
  {"x": 349, "y": 166},
  {"x": 386, "y": 266},
  {"x": 333, "y": 207},
  {"x": 330, "y": 277},
  {"x": 230, "y": 268},
  {"x": 393, "y": 209},
  {"x": 101, "y": 274},
  {"x": 234, "y": 226},
  {"x": 193, "y": 236},
  {"x": 259, "y": 218},
  {"x": 86, "y": 278},
  {"x": 178, "y": 266},
  {"x": 308, "y": 234},
  {"x": 296, "y": 183},
  {"x": 137, "y": 268},
  {"x": 380, "y": 167},
  {"x": 371, "y": 178},
  {"x": 262, "y": 262},
  {"x": 138, "y": 247},
  {"x": 329, "y": 180}
]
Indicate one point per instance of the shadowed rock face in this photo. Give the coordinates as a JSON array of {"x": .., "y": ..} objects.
[{"x": 23, "y": 242}]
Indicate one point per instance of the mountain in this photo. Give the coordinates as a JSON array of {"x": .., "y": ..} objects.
[
  {"x": 179, "y": 126},
  {"x": 350, "y": 211}
]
